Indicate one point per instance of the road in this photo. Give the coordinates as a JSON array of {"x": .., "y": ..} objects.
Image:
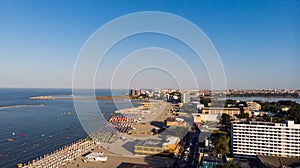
[{"x": 190, "y": 155}]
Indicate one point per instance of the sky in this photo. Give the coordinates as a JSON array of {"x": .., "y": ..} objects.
[{"x": 258, "y": 43}]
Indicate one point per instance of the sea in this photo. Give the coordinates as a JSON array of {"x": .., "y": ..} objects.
[{"x": 32, "y": 128}]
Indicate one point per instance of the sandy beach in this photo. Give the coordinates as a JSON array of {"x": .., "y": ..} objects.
[
  {"x": 119, "y": 152},
  {"x": 148, "y": 118},
  {"x": 115, "y": 161}
]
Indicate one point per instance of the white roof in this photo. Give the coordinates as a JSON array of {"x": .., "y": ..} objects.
[{"x": 171, "y": 140}]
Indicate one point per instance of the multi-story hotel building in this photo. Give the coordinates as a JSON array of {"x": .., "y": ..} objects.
[{"x": 249, "y": 139}]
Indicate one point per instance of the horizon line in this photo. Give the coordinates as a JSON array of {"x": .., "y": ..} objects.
[{"x": 145, "y": 88}]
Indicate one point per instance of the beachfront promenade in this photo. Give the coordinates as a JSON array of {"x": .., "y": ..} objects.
[{"x": 61, "y": 156}]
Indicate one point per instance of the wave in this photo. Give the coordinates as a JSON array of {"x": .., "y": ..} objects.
[{"x": 22, "y": 106}]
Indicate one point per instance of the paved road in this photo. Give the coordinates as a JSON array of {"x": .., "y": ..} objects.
[{"x": 190, "y": 155}]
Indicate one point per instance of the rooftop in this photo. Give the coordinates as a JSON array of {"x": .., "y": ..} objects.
[
  {"x": 213, "y": 158},
  {"x": 157, "y": 142},
  {"x": 150, "y": 142},
  {"x": 288, "y": 123},
  {"x": 171, "y": 140},
  {"x": 274, "y": 161},
  {"x": 221, "y": 108}
]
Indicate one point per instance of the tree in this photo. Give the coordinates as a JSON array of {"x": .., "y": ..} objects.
[
  {"x": 230, "y": 102},
  {"x": 230, "y": 165},
  {"x": 221, "y": 144},
  {"x": 225, "y": 118},
  {"x": 267, "y": 118},
  {"x": 225, "y": 121},
  {"x": 205, "y": 101},
  {"x": 244, "y": 115}
]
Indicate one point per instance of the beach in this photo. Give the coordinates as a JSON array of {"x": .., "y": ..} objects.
[{"x": 117, "y": 146}]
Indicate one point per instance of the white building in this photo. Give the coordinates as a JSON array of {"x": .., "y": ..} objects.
[
  {"x": 185, "y": 98},
  {"x": 249, "y": 139},
  {"x": 197, "y": 105},
  {"x": 253, "y": 106},
  {"x": 262, "y": 113},
  {"x": 198, "y": 117}
]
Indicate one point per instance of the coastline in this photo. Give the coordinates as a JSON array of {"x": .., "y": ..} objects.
[
  {"x": 71, "y": 155},
  {"x": 80, "y": 98}
]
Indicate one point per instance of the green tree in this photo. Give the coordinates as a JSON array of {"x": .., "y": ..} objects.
[
  {"x": 225, "y": 119},
  {"x": 205, "y": 101},
  {"x": 267, "y": 118},
  {"x": 230, "y": 101},
  {"x": 230, "y": 165},
  {"x": 221, "y": 144},
  {"x": 244, "y": 115}
]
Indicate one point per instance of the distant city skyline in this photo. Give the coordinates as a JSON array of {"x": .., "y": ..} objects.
[{"x": 258, "y": 43}]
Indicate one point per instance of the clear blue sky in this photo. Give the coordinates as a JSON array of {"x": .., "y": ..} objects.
[{"x": 258, "y": 41}]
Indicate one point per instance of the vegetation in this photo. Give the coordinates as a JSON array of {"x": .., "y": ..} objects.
[
  {"x": 221, "y": 144},
  {"x": 267, "y": 106},
  {"x": 205, "y": 101},
  {"x": 281, "y": 116},
  {"x": 225, "y": 121},
  {"x": 244, "y": 115},
  {"x": 230, "y": 165},
  {"x": 267, "y": 118},
  {"x": 219, "y": 132},
  {"x": 294, "y": 95},
  {"x": 181, "y": 149},
  {"x": 218, "y": 103},
  {"x": 230, "y": 102},
  {"x": 220, "y": 140}
]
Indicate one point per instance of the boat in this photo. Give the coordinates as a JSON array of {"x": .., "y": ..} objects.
[{"x": 10, "y": 140}]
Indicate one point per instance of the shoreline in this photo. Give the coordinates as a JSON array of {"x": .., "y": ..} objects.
[
  {"x": 128, "y": 98},
  {"x": 80, "y": 98},
  {"x": 71, "y": 155}
]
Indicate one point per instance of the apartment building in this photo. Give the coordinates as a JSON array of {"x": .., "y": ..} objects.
[{"x": 249, "y": 139}]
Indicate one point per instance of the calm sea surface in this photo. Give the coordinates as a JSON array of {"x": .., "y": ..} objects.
[{"x": 38, "y": 127}]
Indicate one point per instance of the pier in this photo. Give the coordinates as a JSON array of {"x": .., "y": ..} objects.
[{"x": 61, "y": 156}]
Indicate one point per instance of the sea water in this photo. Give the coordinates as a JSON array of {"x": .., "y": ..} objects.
[{"x": 38, "y": 127}]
